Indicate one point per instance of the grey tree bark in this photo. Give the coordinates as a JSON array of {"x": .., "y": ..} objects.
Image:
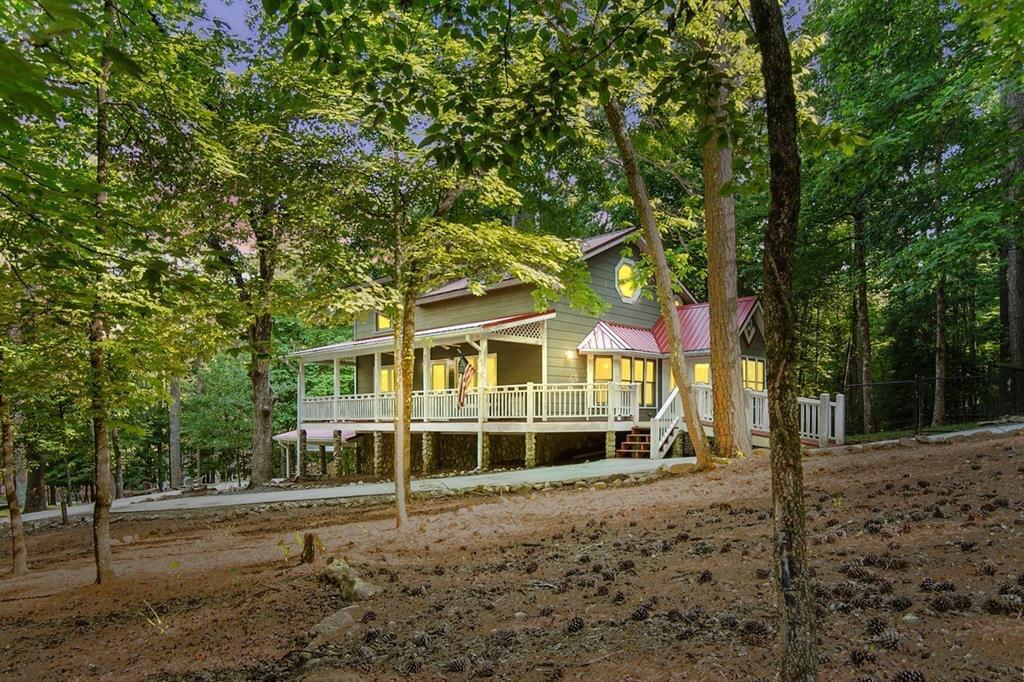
[
  {"x": 118, "y": 465},
  {"x": 863, "y": 323},
  {"x": 731, "y": 432},
  {"x": 662, "y": 277},
  {"x": 1014, "y": 285},
  {"x": 939, "y": 398},
  {"x": 796, "y": 604},
  {"x": 174, "y": 435},
  {"x": 97, "y": 326},
  {"x": 19, "y": 552}
]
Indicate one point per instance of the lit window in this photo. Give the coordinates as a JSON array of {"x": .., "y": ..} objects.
[
  {"x": 602, "y": 369},
  {"x": 640, "y": 371},
  {"x": 387, "y": 379},
  {"x": 753, "y": 374},
  {"x": 383, "y": 322},
  {"x": 702, "y": 373},
  {"x": 492, "y": 370},
  {"x": 625, "y": 281},
  {"x": 438, "y": 375}
]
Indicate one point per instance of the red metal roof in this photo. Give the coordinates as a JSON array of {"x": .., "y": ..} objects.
[
  {"x": 695, "y": 324},
  {"x": 609, "y": 337}
]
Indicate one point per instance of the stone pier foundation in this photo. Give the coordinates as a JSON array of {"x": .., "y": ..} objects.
[
  {"x": 485, "y": 456},
  {"x": 428, "y": 452},
  {"x": 378, "y": 453},
  {"x": 530, "y": 460},
  {"x": 609, "y": 444}
]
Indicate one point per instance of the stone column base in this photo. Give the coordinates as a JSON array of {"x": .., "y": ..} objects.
[
  {"x": 378, "y": 453},
  {"x": 485, "y": 453},
  {"x": 609, "y": 444},
  {"x": 530, "y": 460},
  {"x": 428, "y": 452}
]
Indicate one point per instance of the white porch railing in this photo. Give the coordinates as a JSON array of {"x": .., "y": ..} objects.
[
  {"x": 665, "y": 423},
  {"x": 821, "y": 420},
  {"x": 510, "y": 402}
]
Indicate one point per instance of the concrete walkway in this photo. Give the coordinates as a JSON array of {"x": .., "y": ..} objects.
[{"x": 174, "y": 500}]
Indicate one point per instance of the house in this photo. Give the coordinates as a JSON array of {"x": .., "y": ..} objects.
[{"x": 549, "y": 386}]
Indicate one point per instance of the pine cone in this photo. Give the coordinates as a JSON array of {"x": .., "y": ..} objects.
[
  {"x": 575, "y": 625},
  {"x": 908, "y": 676},
  {"x": 890, "y": 640},
  {"x": 705, "y": 577},
  {"x": 861, "y": 656},
  {"x": 458, "y": 665},
  {"x": 641, "y": 613},
  {"x": 876, "y": 626}
]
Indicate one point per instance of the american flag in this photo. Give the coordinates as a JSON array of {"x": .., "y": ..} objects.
[{"x": 466, "y": 372}]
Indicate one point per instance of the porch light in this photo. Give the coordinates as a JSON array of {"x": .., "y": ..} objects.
[{"x": 570, "y": 355}]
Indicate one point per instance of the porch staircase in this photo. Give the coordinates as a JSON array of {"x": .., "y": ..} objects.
[{"x": 637, "y": 444}]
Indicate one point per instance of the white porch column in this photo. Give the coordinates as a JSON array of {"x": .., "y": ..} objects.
[
  {"x": 337, "y": 388},
  {"x": 481, "y": 407},
  {"x": 613, "y": 388},
  {"x": 544, "y": 368},
  {"x": 376, "y": 386},
  {"x": 427, "y": 376},
  {"x": 301, "y": 395}
]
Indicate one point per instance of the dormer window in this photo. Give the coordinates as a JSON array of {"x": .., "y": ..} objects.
[
  {"x": 382, "y": 323},
  {"x": 625, "y": 281}
]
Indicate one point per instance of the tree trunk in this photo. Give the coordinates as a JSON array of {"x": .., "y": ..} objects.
[
  {"x": 404, "y": 331},
  {"x": 1014, "y": 284},
  {"x": 118, "y": 465},
  {"x": 799, "y": 658},
  {"x": 97, "y": 330},
  {"x": 174, "y": 440},
  {"x": 731, "y": 432},
  {"x": 939, "y": 402},
  {"x": 35, "y": 493},
  {"x": 261, "y": 334},
  {"x": 662, "y": 278},
  {"x": 863, "y": 323},
  {"x": 19, "y": 552},
  {"x": 262, "y": 402}
]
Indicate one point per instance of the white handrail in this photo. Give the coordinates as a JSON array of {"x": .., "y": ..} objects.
[{"x": 665, "y": 423}]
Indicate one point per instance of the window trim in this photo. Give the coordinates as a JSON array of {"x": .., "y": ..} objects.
[
  {"x": 380, "y": 379},
  {"x": 637, "y": 288},
  {"x": 491, "y": 380},
  {"x": 447, "y": 374},
  {"x": 743, "y": 371},
  {"x": 377, "y": 317}
]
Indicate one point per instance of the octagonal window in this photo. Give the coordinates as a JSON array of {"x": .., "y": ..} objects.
[{"x": 625, "y": 281}]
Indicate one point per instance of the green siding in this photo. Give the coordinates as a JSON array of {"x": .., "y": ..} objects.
[{"x": 570, "y": 326}]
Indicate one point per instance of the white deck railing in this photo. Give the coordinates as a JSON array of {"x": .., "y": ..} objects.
[
  {"x": 821, "y": 419},
  {"x": 509, "y": 402}
]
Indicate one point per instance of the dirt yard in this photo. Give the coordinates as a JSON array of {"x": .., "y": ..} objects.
[{"x": 917, "y": 552}]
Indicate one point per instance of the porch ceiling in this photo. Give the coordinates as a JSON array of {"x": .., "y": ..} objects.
[{"x": 523, "y": 328}]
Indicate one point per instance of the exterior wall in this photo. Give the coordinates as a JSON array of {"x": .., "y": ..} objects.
[
  {"x": 570, "y": 326},
  {"x": 519, "y": 363},
  {"x": 512, "y": 300}
]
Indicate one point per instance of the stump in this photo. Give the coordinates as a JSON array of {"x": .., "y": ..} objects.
[{"x": 309, "y": 545}]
